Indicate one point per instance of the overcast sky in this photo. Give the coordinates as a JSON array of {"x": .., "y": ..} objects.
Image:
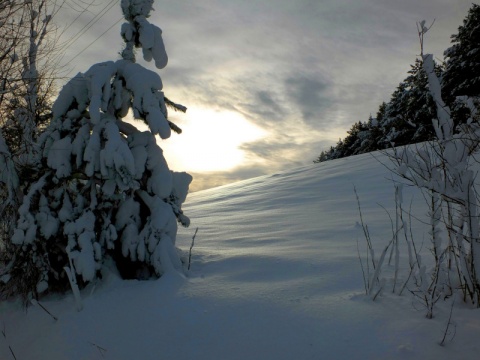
[{"x": 269, "y": 84}]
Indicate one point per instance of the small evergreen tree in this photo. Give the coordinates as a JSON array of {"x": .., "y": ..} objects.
[
  {"x": 373, "y": 134},
  {"x": 101, "y": 188}
]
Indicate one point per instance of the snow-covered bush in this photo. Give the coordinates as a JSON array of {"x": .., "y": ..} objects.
[
  {"x": 443, "y": 168},
  {"x": 102, "y": 188}
]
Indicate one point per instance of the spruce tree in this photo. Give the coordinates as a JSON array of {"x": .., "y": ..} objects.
[
  {"x": 409, "y": 113},
  {"x": 462, "y": 74},
  {"x": 101, "y": 187}
]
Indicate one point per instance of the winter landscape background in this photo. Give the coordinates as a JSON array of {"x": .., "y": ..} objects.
[{"x": 103, "y": 255}]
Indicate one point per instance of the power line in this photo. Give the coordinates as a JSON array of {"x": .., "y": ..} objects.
[
  {"x": 87, "y": 27},
  {"x": 94, "y": 41},
  {"x": 63, "y": 47},
  {"x": 84, "y": 5},
  {"x": 85, "y": 9}
]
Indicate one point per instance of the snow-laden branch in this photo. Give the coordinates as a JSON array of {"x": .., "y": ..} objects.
[
  {"x": 444, "y": 125},
  {"x": 126, "y": 128}
]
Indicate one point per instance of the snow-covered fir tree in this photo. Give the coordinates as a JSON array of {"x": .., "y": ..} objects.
[{"x": 102, "y": 188}]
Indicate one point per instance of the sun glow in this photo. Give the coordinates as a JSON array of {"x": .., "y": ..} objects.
[{"x": 210, "y": 141}]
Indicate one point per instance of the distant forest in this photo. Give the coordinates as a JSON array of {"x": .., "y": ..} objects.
[{"x": 407, "y": 117}]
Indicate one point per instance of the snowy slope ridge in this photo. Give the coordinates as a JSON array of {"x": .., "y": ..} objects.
[{"x": 275, "y": 275}]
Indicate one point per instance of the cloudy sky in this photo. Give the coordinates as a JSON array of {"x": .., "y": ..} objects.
[{"x": 269, "y": 84}]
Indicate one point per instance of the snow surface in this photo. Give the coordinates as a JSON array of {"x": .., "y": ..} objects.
[{"x": 275, "y": 275}]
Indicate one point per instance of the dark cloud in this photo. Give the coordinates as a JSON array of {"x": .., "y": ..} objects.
[
  {"x": 272, "y": 149},
  {"x": 293, "y": 150},
  {"x": 266, "y": 100},
  {"x": 311, "y": 95},
  {"x": 264, "y": 108}
]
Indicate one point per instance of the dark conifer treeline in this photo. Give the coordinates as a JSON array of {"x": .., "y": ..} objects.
[{"x": 407, "y": 117}]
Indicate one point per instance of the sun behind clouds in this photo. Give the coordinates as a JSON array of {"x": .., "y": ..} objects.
[{"x": 210, "y": 141}]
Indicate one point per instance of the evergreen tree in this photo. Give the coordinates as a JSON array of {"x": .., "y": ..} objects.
[
  {"x": 102, "y": 188},
  {"x": 408, "y": 115},
  {"x": 375, "y": 132},
  {"x": 462, "y": 75},
  {"x": 325, "y": 155},
  {"x": 356, "y": 137}
]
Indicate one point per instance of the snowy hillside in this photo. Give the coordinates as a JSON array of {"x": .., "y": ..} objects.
[{"x": 275, "y": 274}]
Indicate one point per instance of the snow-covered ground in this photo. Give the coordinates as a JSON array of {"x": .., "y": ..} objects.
[{"x": 275, "y": 274}]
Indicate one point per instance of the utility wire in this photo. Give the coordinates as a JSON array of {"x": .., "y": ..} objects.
[
  {"x": 82, "y": 6},
  {"x": 63, "y": 47},
  {"x": 87, "y": 27},
  {"x": 93, "y": 42},
  {"x": 85, "y": 9}
]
